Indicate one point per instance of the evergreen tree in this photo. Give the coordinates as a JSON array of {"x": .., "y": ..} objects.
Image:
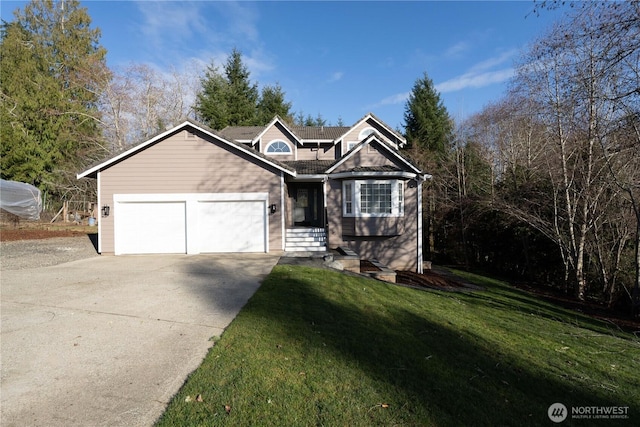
[
  {"x": 51, "y": 68},
  {"x": 242, "y": 96},
  {"x": 427, "y": 122},
  {"x": 211, "y": 101},
  {"x": 230, "y": 99},
  {"x": 272, "y": 103}
]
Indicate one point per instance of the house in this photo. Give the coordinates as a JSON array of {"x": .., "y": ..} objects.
[{"x": 270, "y": 188}]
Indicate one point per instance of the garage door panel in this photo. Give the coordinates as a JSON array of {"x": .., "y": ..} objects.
[
  {"x": 231, "y": 226},
  {"x": 150, "y": 227}
]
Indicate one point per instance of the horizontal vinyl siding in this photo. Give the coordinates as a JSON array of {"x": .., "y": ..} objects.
[
  {"x": 323, "y": 153},
  {"x": 367, "y": 156},
  {"x": 188, "y": 164}
]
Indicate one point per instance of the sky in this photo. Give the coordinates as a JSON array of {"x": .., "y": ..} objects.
[{"x": 338, "y": 59}]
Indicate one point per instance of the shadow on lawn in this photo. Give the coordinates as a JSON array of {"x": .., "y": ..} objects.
[{"x": 455, "y": 378}]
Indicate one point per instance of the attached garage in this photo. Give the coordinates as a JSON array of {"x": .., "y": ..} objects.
[
  {"x": 190, "y": 223},
  {"x": 189, "y": 190}
]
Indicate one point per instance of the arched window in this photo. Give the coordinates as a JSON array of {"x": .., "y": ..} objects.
[
  {"x": 278, "y": 147},
  {"x": 365, "y": 133}
]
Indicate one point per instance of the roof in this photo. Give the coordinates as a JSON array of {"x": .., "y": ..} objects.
[
  {"x": 320, "y": 132},
  {"x": 368, "y": 140},
  {"x": 310, "y": 167},
  {"x": 303, "y": 133},
  {"x": 401, "y": 140},
  {"x": 92, "y": 171},
  {"x": 241, "y": 133}
]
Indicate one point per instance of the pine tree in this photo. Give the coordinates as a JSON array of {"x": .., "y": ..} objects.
[
  {"x": 211, "y": 101},
  {"x": 272, "y": 103},
  {"x": 242, "y": 96},
  {"x": 230, "y": 99},
  {"x": 427, "y": 122}
]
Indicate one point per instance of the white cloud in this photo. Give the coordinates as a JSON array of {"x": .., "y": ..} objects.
[
  {"x": 475, "y": 80},
  {"x": 398, "y": 98},
  {"x": 494, "y": 61},
  {"x": 169, "y": 23},
  {"x": 481, "y": 74},
  {"x": 457, "y": 49},
  {"x": 335, "y": 76}
]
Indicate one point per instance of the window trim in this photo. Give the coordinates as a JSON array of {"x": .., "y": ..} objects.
[
  {"x": 278, "y": 153},
  {"x": 351, "y": 198},
  {"x": 366, "y": 132}
]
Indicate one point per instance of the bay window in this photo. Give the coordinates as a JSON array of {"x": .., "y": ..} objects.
[{"x": 373, "y": 198}]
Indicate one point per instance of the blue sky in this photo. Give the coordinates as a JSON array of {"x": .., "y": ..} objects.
[{"x": 337, "y": 59}]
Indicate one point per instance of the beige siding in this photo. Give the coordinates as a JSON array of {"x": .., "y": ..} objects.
[
  {"x": 368, "y": 155},
  {"x": 311, "y": 152},
  {"x": 398, "y": 252},
  {"x": 354, "y": 133},
  {"x": 185, "y": 163}
]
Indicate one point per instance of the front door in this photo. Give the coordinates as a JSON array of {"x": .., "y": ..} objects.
[{"x": 308, "y": 207}]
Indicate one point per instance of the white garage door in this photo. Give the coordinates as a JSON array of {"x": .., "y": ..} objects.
[
  {"x": 232, "y": 226},
  {"x": 150, "y": 227}
]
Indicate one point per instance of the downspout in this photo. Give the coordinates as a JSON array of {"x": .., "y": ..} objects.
[
  {"x": 99, "y": 207},
  {"x": 324, "y": 209},
  {"x": 419, "y": 180},
  {"x": 283, "y": 230}
]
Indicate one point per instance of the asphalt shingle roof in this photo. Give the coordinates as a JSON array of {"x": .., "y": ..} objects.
[
  {"x": 241, "y": 133},
  {"x": 310, "y": 167},
  {"x": 319, "y": 132}
]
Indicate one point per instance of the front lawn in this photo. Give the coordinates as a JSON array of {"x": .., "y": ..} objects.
[{"x": 316, "y": 347}]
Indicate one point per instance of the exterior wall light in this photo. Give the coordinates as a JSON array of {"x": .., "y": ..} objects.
[
  {"x": 105, "y": 210},
  {"x": 272, "y": 208}
]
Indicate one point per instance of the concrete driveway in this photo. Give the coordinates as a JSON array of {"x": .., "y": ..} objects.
[{"x": 109, "y": 340}]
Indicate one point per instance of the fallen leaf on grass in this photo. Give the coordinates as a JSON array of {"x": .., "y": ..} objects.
[
  {"x": 188, "y": 399},
  {"x": 199, "y": 398},
  {"x": 380, "y": 405},
  {"x": 227, "y": 408}
]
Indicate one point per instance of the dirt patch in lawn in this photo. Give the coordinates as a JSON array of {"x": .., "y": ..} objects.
[{"x": 433, "y": 280}]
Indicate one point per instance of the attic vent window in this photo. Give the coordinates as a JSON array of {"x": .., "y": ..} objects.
[
  {"x": 278, "y": 147},
  {"x": 365, "y": 133}
]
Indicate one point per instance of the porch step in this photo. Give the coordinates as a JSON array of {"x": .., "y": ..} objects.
[{"x": 305, "y": 239}]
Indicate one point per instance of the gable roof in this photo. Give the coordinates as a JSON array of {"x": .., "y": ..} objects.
[
  {"x": 368, "y": 140},
  {"x": 401, "y": 140},
  {"x": 272, "y": 123},
  {"x": 199, "y": 127},
  {"x": 302, "y": 134}
]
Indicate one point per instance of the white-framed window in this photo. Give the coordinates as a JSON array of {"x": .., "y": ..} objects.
[
  {"x": 365, "y": 133},
  {"x": 373, "y": 198},
  {"x": 351, "y": 144},
  {"x": 278, "y": 147}
]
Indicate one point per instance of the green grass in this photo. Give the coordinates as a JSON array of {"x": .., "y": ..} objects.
[{"x": 316, "y": 347}]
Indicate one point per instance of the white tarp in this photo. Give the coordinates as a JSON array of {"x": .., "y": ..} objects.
[{"x": 20, "y": 199}]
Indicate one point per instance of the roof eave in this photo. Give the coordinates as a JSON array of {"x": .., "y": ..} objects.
[{"x": 183, "y": 125}]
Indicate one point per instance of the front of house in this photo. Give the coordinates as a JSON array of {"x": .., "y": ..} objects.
[{"x": 270, "y": 188}]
